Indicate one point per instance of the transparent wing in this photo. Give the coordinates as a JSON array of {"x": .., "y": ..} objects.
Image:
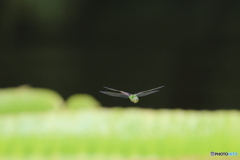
[
  {"x": 151, "y": 89},
  {"x": 141, "y": 94},
  {"x": 125, "y": 93},
  {"x": 112, "y": 89},
  {"x": 114, "y": 94}
]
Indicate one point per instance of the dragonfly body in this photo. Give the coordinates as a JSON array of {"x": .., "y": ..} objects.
[{"x": 133, "y": 97}]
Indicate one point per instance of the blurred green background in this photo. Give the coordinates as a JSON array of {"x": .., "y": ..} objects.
[
  {"x": 56, "y": 55},
  {"x": 36, "y": 123}
]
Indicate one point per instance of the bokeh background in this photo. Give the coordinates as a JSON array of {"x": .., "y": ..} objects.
[
  {"x": 79, "y": 46},
  {"x": 56, "y": 55}
]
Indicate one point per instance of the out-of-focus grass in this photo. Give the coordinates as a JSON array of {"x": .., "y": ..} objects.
[
  {"x": 119, "y": 134},
  {"x": 82, "y": 101},
  {"x": 27, "y": 99},
  {"x": 92, "y": 132}
]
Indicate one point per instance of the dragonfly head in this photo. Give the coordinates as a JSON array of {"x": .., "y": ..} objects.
[{"x": 134, "y": 98}]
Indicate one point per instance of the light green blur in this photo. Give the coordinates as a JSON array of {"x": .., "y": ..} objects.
[{"x": 97, "y": 133}]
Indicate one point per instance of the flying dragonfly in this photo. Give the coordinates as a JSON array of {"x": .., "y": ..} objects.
[{"x": 133, "y": 97}]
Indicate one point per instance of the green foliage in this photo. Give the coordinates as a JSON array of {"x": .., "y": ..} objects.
[
  {"x": 100, "y": 133},
  {"x": 25, "y": 99},
  {"x": 80, "y": 101},
  {"x": 119, "y": 133}
]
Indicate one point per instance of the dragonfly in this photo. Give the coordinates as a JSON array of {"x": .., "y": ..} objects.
[{"x": 133, "y": 97}]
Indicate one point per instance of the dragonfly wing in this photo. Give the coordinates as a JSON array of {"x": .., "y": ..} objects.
[
  {"x": 112, "y": 89},
  {"x": 151, "y": 89},
  {"x": 114, "y": 94},
  {"x": 141, "y": 94}
]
